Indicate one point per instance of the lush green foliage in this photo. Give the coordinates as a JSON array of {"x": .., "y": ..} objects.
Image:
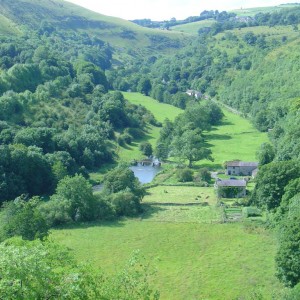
[
  {"x": 187, "y": 239},
  {"x": 271, "y": 182},
  {"x": 184, "y": 138},
  {"x": 22, "y": 217},
  {"x": 185, "y": 175},
  {"x": 61, "y": 86},
  {"x": 146, "y": 148},
  {"x": 57, "y": 118},
  {"x": 122, "y": 178},
  {"x": 24, "y": 170},
  {"x": 48, "y": 271},
  {"x": 288, "y": 255}
]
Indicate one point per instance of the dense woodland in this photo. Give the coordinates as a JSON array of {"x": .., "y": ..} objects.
[{"x": 62, "y": 116}]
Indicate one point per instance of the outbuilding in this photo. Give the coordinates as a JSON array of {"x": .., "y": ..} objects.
[{"x": 231, "y": 188}]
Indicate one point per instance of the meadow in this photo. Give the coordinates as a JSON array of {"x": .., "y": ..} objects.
[
  {"x": 161, "y": 111},
  {"x": 256, "y": 10},
  {"x": 195, "y": 259},
  {"x": 180, "y": 230},
  {"x": 235, "y": 138},
  {"x": 192, "y": 28}
]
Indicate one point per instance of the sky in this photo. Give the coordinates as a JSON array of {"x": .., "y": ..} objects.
[{"x": 160, "y": 10}]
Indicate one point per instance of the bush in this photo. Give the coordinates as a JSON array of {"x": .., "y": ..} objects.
[
  {"x": 121, "y": 141},
  {"x": 146, "y": 148},
  {"x": 185, "y": 175},
  {"x": 127, "y": 138},
  {"x": 104, "y": 210},
  {"x": 135, "y": 132},
  {"x": 126, "y": 204},
  {"x": 203, "y": 175},
  {"x": 251, "y": 212},
  {"x": 56, "y": 211},
  {"x": 124, "y": 138}
]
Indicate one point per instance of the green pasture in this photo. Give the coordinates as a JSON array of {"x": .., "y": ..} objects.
[
  {"x": 255, "y": 10},
  {"x": 7, "y": 26},
  {"x": 181, "y": 204},
  {"x": 192, "y": 28},
  {"x": 235, "y": 138},
  {"x": 195, "y": 257},
  {"x": 161, "y": 111}
]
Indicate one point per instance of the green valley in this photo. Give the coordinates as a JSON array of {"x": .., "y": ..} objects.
[{"x": 209, "y": 105}]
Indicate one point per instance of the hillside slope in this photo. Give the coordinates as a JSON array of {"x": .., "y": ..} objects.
[{"x": 62, "y": 15}]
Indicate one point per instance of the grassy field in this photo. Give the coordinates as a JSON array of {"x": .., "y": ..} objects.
[
  {"x": 255, "y": 10},
  {"x": 116, "y": 31},
  {"x": 192, "y": 28},
  {"x": 236, "y": 138},
  {"x": 181, "y": 204},
  {"x": 180, "y": 229},
  {"x": 196, "y": 260},
  {"x": 7, "y": 26},
  {"x": 161, "y": 111}
]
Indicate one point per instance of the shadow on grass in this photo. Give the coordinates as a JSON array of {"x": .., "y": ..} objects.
[
  {"x": 86, "y": 225},
  {"x": 213, "y": 136},
  {"x": 224, "y": 123},
  {"x": 128, "y": 146},
  {"x": 150, "y": 209}
]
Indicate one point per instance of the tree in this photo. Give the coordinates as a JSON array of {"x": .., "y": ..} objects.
[
  {"x": 78, "y": 194},
  {"x": 40, "y": 137},
  {"x": 146, "y": 148},
  {"x": 22, "y": 217},
  {"x": 144, "y": 86},
  {"x": 185, "y": 175},
  {"x": 288, "y": 255},
  {"x": 196, "y": 116},
  {"x": 125, "y": 203},
  {"x": 214, "y": 112},
  {"x": 204, "y": 175},
  {"x": 191, "y": 146},
  {"x": 161, "y": 150},
  {"x": 122, "y": 178},
  {"x": 271, "y": 181},
  {"x": 265, "y": 154},
  {"x": 35, "y": 270}
]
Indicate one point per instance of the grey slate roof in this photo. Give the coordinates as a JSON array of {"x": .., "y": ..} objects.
[
  {"x": 232, "y": 183},
  {"x": 241, "y": 164}
]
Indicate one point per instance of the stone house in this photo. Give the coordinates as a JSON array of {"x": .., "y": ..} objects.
[
  {"x": 241, "y": 168},
  {"x": 193, "y": 93},
  {"x": 231, "y": 188}
]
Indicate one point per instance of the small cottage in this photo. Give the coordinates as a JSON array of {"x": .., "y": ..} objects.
[
  {"x": 193, "y": 93},
  {"x": 231, "y": 188},
  {"x": 241, "y": 168}
]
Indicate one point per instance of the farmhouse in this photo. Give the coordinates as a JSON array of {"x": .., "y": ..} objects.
[
  {"x": 194, "y": 93},
  {"x": 231, "y": 188},
  {"x": 240, "y": 168}
]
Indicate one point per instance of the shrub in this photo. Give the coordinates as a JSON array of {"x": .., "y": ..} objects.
[
  {"x": 146, "y": 148},
  {"x": 203, "y": 175},
  {"x": 120, "y": 140},
  {"x": 126, "y": 204},
  {"x": 185, "y": 175},
  {"x": 251, "y": 212},
  {"x": 127, "y": 138},
  {"x": 134, "y": 132},
  {"x": 104, "y": 210}
]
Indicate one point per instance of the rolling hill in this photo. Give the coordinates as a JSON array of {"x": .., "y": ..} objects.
[{"x": 62, "y": 15}]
